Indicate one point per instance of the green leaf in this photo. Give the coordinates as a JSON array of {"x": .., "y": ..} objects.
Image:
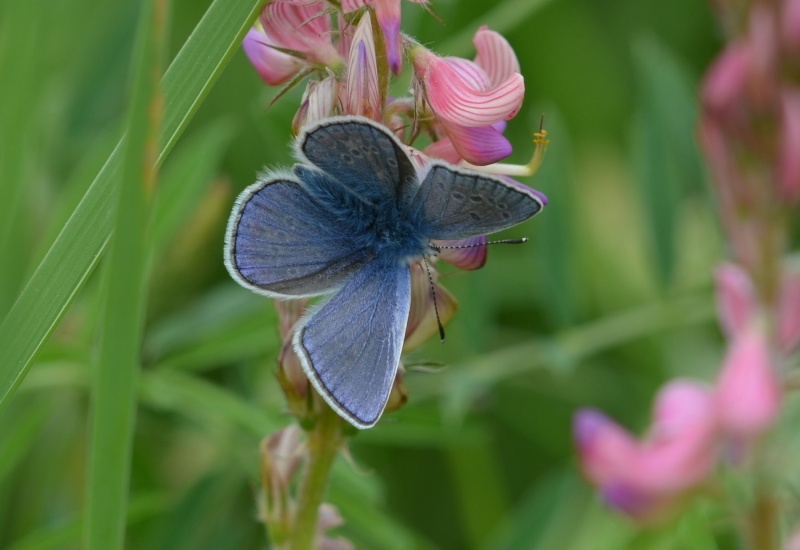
[
  {"x": 80, "y": 244},
  {"x": 665, "y": 154},
  {"x": 114, "y": 386}
]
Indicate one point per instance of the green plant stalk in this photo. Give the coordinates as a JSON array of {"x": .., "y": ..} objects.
[
  {"x": 113, "y": 409},
  {"x": 81, "y": 242},
  {"x": 764, "y": 522},
  {"x": 324, "y": 441}
]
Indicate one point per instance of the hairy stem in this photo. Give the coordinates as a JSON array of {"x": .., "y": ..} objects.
[{"x": 324, "y": 441}]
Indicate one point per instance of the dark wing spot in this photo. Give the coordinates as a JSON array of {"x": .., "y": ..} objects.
[
  {"x": 458, "y": 196},
  {"x": 476, "y": 198},
  {"x": 475, "y": 216}
]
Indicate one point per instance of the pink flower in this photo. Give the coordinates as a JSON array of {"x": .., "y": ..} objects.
[
  {"x": 789, "y": 307},
  {"x": 788, "y": 156},
  {"x": 318, "y": 102},
  {"x": 274, "y": 67},
  {"x": 468, "y": 98},
  {"x": 302, "y": 27},
  {"x": 387, "y": 12},
  {"x": 735, "y": 298},
  {"x": 747, "y": 396},
  {"x": 645, "y": 479},
  {"x": 422, "y": 322},
  {"x": 790, "y": 28},
  {"x": 362, "y": 94}
]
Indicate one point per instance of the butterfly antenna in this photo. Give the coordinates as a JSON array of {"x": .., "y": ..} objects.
[
  {"x": 504, "y": 241},
  {"x": 433, "y": 295}
]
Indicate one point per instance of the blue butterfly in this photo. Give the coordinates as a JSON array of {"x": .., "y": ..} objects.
[{"x": 348, "y": 222}]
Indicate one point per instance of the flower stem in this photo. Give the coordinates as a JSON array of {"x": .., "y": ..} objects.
[
  {"x": 324, "y": 441},
  {"x": 763, "y": 523}
]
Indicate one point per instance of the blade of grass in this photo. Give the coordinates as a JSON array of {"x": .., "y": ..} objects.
[
  {"x": 114, "y": 388},
  {"x": 80, "y": 244}
]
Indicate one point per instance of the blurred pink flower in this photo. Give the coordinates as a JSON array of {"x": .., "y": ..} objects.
[
  {"x": 790, "y": 27},
  {"x": 789, "y": 306},
  {"x": 645, "y": 479},
  {"x": 789, "y": 153},
  {"x": 387, "y": 12},
  {"x": 468, "y": 98},
  {"x": 747, "y": 395}
]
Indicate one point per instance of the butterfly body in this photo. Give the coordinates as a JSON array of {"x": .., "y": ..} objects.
[{"x": 348, "y": 222}]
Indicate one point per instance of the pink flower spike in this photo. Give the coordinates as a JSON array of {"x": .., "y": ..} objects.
[
  {"x": 479, "y": 146},
  {"x": 273, "y": 67},
  {"x": 495, "y": 55},
  {"x": 747, "y": 392},
  {"x": 464, "y": 253},
  {"x": 735, "y": 298},
  {"x": 790, "y": 20},
  {"x": 455, "y": 99},
  {"x": 362, "y": 94},
  {"x": 789, "y": 308},
  {"x": 789, "y": 159},
  {"x": 303, "y": 27},
  {"x": 726, "y": 81}
]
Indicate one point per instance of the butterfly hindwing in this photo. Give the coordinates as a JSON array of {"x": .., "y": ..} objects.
[
  {"x": 362, "y": 155},
  {"x": 457, "y": 204},
  {"x": 350, "y": 347},
  {"x": 280, "y": 243}
]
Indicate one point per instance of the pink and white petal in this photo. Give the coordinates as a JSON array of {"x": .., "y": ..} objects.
[
  {"x": 301, "y": 27},
  {"x": 443, "y": 149},
  {"x": 318, "y": 102},
  {"x": 422, "y": 322},
  {"x": 388, "y": 14},
  {"x": 472, "y": 73},
  {"x": 455, "y": 100},
  {"x": 362, "y": 93},
  {"x": 479, "y": 146},
  {"x": 273, "y": 67},
  {"x": 495, "y": 56},
  {"x": 464, "y": 253}
]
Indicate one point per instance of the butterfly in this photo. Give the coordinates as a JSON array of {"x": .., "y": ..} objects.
[{"x": 348, "y": 222}]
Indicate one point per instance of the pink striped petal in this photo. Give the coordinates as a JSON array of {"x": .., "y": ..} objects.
[
  {"x": 464, "y": 253},
  {"x": 318, "y": 102},
  {"x": 495, "y": 56},
  {"x": 303, "y": 27},
  {"x": 362, "y": 94},
  {"x": 422, "y": 315},
  {"x": 273, "y": 67},
  {"x": 388, "y": 14},
  {"x": 472, "y": 73},
  {"x": 480, "y": 146},
  {"x": 455, "y": 100}
]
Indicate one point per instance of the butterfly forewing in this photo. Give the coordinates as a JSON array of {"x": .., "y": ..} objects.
[
  {"x": 350, "y": 348},
  {"x": 361, "y": 155},
  {"x": 456, "y": 203},
  {"x": 281, "y": 243}
]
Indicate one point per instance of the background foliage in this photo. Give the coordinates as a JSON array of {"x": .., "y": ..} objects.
[{"x": 612, "y": 298}]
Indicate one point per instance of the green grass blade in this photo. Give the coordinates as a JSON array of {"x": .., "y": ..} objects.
[
  {"x": 113, "y": 408},
  {"x": 80, "y": 244}
]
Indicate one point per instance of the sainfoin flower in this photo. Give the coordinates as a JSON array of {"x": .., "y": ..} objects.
[
  {"x": 387, "y": 12},
  {"x": 646, "y": 478},
  {"x": 470, "y": 98}
]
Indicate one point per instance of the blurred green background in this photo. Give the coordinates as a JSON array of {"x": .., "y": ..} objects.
[{"x": 612, "y": 297}]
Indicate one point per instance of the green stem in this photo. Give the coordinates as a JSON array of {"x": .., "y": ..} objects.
[
  {"x": 324, "y": 441},
  {"x": 764, "y": 523}
]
